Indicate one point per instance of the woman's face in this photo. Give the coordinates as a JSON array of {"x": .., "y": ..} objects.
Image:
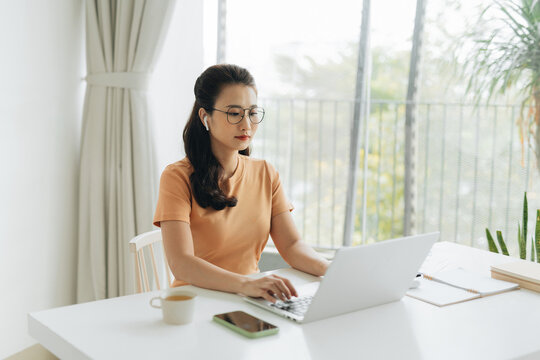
[{"x": 224, "y": 135}]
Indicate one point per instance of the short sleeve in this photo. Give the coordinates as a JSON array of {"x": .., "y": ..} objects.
[
  {"x": 280, "y": 203},
  {"x": 174, "y": 200}
]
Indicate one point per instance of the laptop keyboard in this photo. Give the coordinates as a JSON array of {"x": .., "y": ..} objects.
[{"x": 297, "y": 306}]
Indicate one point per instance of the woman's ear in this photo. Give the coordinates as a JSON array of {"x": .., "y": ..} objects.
[{"x": 204, "y": 118}]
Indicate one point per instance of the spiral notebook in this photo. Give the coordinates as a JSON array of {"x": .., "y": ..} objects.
[{"x": 454, "y": 286}]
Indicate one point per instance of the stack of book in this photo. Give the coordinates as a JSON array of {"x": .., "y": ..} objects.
[{"x": 524, "y": 273}]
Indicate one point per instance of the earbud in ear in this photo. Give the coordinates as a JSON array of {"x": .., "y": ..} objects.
[{"x": 206, "y": 124}]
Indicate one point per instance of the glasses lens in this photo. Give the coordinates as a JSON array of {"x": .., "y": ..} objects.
[
  {"x": 256, "y": 114},
  {"x": 235, "y": 114}
]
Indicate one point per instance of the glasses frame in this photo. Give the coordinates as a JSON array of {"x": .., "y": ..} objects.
[{"x": 243, "y": 114}]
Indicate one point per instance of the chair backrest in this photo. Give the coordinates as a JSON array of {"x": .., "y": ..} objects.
[{"x": 137, "y": 246}]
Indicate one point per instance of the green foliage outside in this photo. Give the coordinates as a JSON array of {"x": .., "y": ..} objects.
[
  {"x": 334, "y": 81},
  {"x": 310, "y": 136}
]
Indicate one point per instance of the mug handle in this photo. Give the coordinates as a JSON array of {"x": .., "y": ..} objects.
[{"x": 152, "y": 301}]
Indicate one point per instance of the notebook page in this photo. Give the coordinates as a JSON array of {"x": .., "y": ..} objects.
[
  {"x": 471, "y": 281},
  {"x": 439, "y": 294}
]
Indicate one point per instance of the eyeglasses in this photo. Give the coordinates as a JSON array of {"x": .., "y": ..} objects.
[{"x": 235, "y": 114}]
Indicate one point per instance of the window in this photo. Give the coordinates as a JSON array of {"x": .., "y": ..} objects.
[{"x": 470, "y": 169}]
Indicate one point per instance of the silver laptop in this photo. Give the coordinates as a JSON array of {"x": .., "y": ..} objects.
[{"x": 358, "y": 278}]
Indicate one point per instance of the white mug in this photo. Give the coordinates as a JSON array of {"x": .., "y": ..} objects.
[{"x": 176, "y": 311}]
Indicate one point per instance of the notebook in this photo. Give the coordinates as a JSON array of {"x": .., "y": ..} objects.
[
  {"x": 454, "y": 286},
  {"x": 524, "y": 273}
]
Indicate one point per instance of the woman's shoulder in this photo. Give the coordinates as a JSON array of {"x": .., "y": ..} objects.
[
  {"x": 259, "y": 165},
  {"x": 254, "y": 162},
  {"x": 179, "y": 168},
  {"x": 251, "y": 160}
]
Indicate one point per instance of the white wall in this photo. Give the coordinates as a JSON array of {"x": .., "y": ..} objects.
[
  {"x": 41, "y": 98},
  {"x": 41, "y": 66}
]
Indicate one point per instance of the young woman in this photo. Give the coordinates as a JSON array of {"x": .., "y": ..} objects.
[{"x": 217, "y": 206}]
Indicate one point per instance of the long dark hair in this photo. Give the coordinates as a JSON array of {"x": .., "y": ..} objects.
[{"x": 206, "y": 168}]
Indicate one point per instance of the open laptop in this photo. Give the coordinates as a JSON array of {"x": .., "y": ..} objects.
[{"x": 358, "y": 278}]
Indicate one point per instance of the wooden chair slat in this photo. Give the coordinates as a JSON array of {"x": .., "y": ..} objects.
[
  {"x": 138, "y": 273},
  {"x": 137, "y": 246},
  {"x": 154, "y": 268},
  {"x": 145, "y": 273},
  {"x": 169, "y": 282}
]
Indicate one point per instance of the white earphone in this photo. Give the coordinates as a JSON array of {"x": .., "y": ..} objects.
[{"x": 206, "y": 124}]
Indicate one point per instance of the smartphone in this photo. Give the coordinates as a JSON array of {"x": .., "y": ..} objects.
[{"x": 246, "y": 324}]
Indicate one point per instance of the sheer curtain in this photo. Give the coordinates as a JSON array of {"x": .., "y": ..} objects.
[{"x": 117, "y": 184}]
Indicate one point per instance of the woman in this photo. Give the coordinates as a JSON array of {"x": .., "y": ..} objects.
[{"x": 217, "y": 206}]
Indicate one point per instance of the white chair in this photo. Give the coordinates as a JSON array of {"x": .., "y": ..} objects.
[{"x": 137, "y": 246}]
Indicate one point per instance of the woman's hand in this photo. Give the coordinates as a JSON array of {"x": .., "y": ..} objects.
[{"x": 268, "y": 287}]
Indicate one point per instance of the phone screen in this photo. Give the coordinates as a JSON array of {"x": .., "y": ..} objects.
[{"x": 245, "y": 321}]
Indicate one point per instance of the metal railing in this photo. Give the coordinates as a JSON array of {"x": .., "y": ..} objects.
[{"x": 469, "y": 174}]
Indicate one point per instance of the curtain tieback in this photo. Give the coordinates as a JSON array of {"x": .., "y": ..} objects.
[{"x": 127, "y": 80}]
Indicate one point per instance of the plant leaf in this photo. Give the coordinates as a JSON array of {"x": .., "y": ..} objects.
[
  {"x": 491, "y": 243},
  {"x": 502, "y": 245},
  {"x": 537, "y": 235},
  {"x": 523, "y": 239},
  {"x": 532, "y": 248},
  {"x": 509, "y": 53},
  {"x": 519, "y": 233}
]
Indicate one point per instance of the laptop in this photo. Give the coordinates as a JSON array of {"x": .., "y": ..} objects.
[{"x": 359, "y": 277}]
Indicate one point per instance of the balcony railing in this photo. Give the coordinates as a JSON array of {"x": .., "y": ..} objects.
[{"x": 470, "y": 168}]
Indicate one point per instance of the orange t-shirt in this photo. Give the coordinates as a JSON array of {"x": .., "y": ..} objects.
[{"x": 232, "y": 238}]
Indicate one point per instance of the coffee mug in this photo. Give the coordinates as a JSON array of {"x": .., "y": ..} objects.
[{"x": 177, "y": 305}]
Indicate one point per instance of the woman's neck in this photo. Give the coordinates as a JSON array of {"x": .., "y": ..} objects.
[{"x": 229, "y": 162}]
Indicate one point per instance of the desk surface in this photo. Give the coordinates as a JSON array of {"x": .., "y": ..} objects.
[{"x": 503, "y": 326}]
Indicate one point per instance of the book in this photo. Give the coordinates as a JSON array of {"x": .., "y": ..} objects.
[
  {"x": 524, "y": 273},
  {"x": 454, "y": 286}
]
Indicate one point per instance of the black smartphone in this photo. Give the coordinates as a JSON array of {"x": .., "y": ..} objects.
[{"x": 246, "y": 324}]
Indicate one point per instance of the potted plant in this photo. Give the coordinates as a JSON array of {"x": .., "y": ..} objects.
[
  {"x": 506, "y": 55},
  {"x": 521, "y": 238}
]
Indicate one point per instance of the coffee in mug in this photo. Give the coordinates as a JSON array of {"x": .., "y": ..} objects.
[
  {"x": 178, "y": 298},
  {"x": 177, "y": 305}
]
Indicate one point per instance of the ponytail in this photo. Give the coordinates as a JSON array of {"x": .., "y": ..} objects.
[{"x": 206, "y": 168}]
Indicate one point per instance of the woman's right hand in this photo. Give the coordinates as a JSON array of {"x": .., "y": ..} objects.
[{"x": 268, "y": 287}]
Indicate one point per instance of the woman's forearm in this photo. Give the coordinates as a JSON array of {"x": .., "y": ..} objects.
[
  {"x": 301, "y": 256},
  {"x": 201, "y": 273}
]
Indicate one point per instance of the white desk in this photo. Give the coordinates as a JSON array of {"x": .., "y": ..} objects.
[{"x": 498, "y": 327}]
